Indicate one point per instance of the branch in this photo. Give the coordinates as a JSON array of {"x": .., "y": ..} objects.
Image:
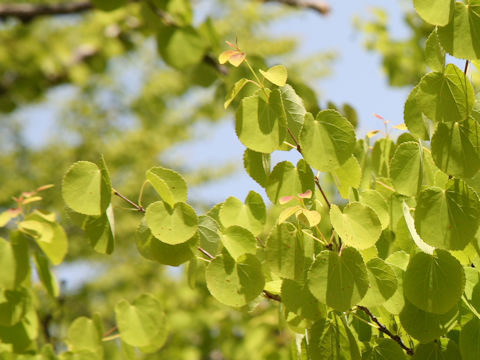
[
  {"x": 124, "y": 198},
  {"x": 382, "y": 328},
  {"x": 26, "y": 12},
  {"x": 319, "y": 6}
]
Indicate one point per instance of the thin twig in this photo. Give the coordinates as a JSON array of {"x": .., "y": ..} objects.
[
  {"x": 136, "y": 206},
  {"x": 206, "y": 253},
  {"x": 317, "y": 182},
  {"x": 260, "y": 241},
  {"x": 110, "y": 331},
  {"x": 271, "y": 296},
  {"x": 27, "y": 12},
  {"x": 465, "y": 69},
  {"x": 297, "y": 144},
  {"x": 382, "y": 328}
]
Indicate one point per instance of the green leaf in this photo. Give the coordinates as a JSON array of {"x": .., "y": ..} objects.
[
  {"x": 99, "y": 230},
  {"x": 396, "y": 302},
  {"x": 434, "y": 53},
  {"x": 234, "y": 283},
  {"x": 435, "y": 12},
  {"x": 338, "y": 280},
  {"x": 13, "y": 306},
  {"x": 447, "y": 219},
  {"x": 381, "y": 156},
  {"x": 332, "y": 339},
  {"x": 290, "y": 106},
  {"x": 252, "y": 215},
  {"x": 22, "y": 334},
  {"x": 358, "y": 225},
  {"x": 171, "y": 225},
  {"x": 238, "y": 241},
  {"x": 257, "y": 166},
  {"x": 417, "y": 123},
  {"x": 86, "y": 188},
  {"x": 83, "y": 334},
  {"x": 437, "y": 350},
  {"x": 406, "y": 168},
  {"x": 181, "y": 47},
  {"x": 153, "y": 249},
  {"x": 168, "y": 184},
  {"x": 48, "y": 235},
  {"x": 377, "y": 202},
  {"x": 208, "y": 233},
  {"x": 143, "y": 322},
  {"x": 7, "y": 259},
  {"x": 298, "y": 299},
  {"x": 469, "y": 340},
  {"x": 258, "y": 125},
  {"x": 460, "y": 37},
  {"x": 347, "y": 176},
  {"x": 286, "y": 180},
  {"x": 384, "y": 349},
  {"x": 382, "y": 283},
  {"x": 284, "y": 252},
  {"x": 425, "y": 326},
  {"x": 434, "y": 283},
  {"x": 235, "y": 91},
  {"x": 327, "y": 141},
  {"x": 446, "y": 97},
  {"x": 276, "y": 75},
  {"x": 45, "y": 275},
  {"x": 455, "y": 148},
  {"x": 472, "y": 287}
]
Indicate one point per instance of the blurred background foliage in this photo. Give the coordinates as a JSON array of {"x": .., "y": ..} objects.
[{"x": 129, "y": 84}]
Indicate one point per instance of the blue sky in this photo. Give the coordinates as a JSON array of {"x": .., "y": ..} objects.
[{"x": 357, "y": 78}]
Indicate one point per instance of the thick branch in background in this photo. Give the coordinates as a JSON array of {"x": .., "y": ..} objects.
[
  {"x": 27, "y": 12},
  {"x": 318, "y": 6}
]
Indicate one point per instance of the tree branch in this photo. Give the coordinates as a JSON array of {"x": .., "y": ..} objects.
[
  {"x": 124, "y": 198},
  {"x": 319, "y": 6},
  {"x": 382, "y": 328},
  {"x": 26, "y": 12}
]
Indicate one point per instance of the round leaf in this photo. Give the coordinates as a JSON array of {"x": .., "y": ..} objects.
[
  {"x": 83, "y": 334},
  {"x": 406, "y": 168},
  {"x": 383, "y": 283},
  {"x": 287, "y": 180},
  {"x": 425, "y": 326},
  {"x": 168, "y": 184},
  {"x": 327, "y": 141},
  {"x": 258, "y": 125},
  {"x": 447, "y": 219},
  {"x": 143, "y": 322},
  {"x": 171, "y": 225},
  {"x": 252, "y": 215},
  {"x": 434, "y": 283},
  {"x": 339, "y": 281},
  {"x": 238, "y": 241},
  {"x": 417, "y": 123},
  {"x": 377, "y": 202},
  {"x": 152, "y": 248},
  {"x": 86, "y": 188},
  {"x": 235, "y": 283},
  {"x": 358, "y": 225}
]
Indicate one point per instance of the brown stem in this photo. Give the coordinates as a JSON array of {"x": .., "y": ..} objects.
[
  {"x": 465, "y": 69},
  {"x": 136, "y": 206},
  {"x": 26, "y": 12},
  {"x": 260, "y": 241},
  {"x": 206, "y": 253},
  {"x": 271, "y": 296},
  {"x": 319, "y": 6},
  {"x": 317, "y": 182},
  {"x": 382, "y": 328},
  {"x": 110, "y": 331},
  {"x": 297, "y": 144}
]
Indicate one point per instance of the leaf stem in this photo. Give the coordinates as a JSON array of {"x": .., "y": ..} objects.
[
  {"x": 256, "y": 77},
  {"x": 123, "y": 197},
  {"x": 297, "y": 144},
  {"x": 206, "y": 253},
  {"x": 272, "y": 296},
  {"x": 317, "y": 182},
  {"x": 383, "y": 329},
  {"x": 465, "y": 69},
  {"x": 260, "y": 241}
]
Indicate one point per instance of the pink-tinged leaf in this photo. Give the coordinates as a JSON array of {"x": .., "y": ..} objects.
[
  {"x": 237, "y": 58},
  {"x": 230, "y": 44},
  {"x": 8, "y": 215},
  {"x": 286, "y": 199},
  {"x": 372, "y": 133},
  {"x": 378, "y": 116},
  {"x": 306, "y": 195},
  {"x": 27, "y": 194},
  {"x": 400, "y": 127},
  {"x": 45, "y": 187},
  {"x": 226, "y": 55}
]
